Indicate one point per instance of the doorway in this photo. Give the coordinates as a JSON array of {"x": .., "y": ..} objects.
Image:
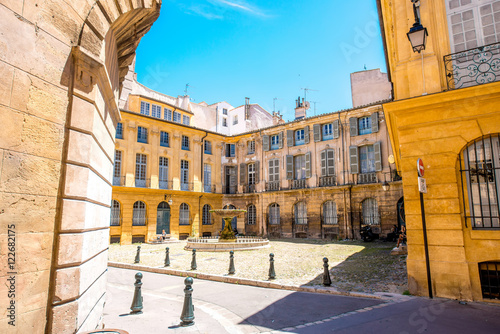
[{"x": 163, "y": 218}]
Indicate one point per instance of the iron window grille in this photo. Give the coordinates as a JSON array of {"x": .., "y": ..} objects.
[
  {"x": 489, "y": 273},
  {"x": 164, "y": 139},
  {"x": 251, "y": 215},
  {"x": 480, "y": 176},
  {"x": 119, "y": 131},
  {"x": 206, "y": 216}
]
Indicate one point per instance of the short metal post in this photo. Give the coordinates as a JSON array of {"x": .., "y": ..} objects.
[
  {"x": 232, "y": 270},
  {"x": 272, "y": 274},
  {"x": 138, "y": 255},
  {"x": 326, "y": 273},
  {"x": 167, "y": 257},
  {"x": 137, "y": 301},
  {"x": 187, "y": 315},
  {"x": 193, "y": 260}
]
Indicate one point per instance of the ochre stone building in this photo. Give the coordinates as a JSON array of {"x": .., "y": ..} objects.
[
  {"x": 314, "y": 177},
  {"x": 446, "y": 111},
  {"x": 62, "y": 64}
]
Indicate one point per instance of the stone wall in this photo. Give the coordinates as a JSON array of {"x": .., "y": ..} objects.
[{"x": 62, "y": 65}]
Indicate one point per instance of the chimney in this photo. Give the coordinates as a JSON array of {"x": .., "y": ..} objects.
[{"x": 300, "y": 110}]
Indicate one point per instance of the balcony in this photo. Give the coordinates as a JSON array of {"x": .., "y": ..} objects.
[
  {"x": 210, "y": 188},
  {"x": 273, "y": 186},
  {"x": 119, "y": 181},
  {"x": 327, "y": 181},
  {"x": 365, "y": 178},
  {"x": 473, "y": 67},
  {"x": 298, "y": 184},
  {"x": 145, "y": 183},
  {"x": 187, "y": 186},
  {"x": 165, "y": 184},
  {"x": 230, "y": 189},
  {"x": 248, "y": 189}
]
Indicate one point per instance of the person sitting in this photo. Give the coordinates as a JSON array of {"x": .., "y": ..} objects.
[
  {"x": 402, "y": 236},
  {"x": 163, "y": 235},
  {"x": 393, "y": 235}
]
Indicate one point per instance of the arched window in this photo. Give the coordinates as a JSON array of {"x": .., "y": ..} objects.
[
  {"x": 330, "y": 213},
  {"x": 139, "y": 214},
  {"x": 300, "y": 211},
  {"x": 370, "y": 212},
  {"x": 206, "y": 215},
  {"x": 251, "y": 215},
  {"x": 184, "y": 214},
  {"x": 115, "y": 213},
  {"x": 481, "y": 170},
  {"x": 274, "y": 214}
]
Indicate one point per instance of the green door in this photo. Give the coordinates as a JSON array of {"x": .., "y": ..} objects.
[{"x": 163, "y": 218}]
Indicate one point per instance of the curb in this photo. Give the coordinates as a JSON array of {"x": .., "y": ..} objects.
[{"x": 242, "y": 281}]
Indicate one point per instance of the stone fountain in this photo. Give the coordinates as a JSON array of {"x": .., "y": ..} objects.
[{"x": 226, "y": 241}]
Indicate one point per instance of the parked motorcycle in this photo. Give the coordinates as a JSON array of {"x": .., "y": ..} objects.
[{"x": 367, "y": 234}]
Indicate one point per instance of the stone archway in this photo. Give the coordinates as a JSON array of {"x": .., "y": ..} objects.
[{"x": 63, "y": 63}]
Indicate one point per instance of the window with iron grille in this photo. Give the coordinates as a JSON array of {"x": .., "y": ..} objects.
[
  {"x": 185, "y": 143},
  {"x": 251, "y": 215},
  {"x": 115, "y": 213},
  {"x": 184, "y": 214},
  {"x": 274, "y": 214},
  {"x": 185, "y": 120},
  {"x": 177, "y": 117},
  {"x": 369, "y": 208},
  {"x": 206, "y": 216},
  {"x": 300, "y": 213},
  {"x": 140, "y": 170},
  {"x": 142, "y": 135},
  {"x": 156, "y": 111},
  {"x": 208, "y": 147},
  {"x": 480, "y": 170},
  {"x": 251, "y": 147},
  {"x": 330, "y": 213},
  {"x": 139, "y": 214},
  {"x": 164, "y": 139},
  {"x": 167, "y": 114},
  {"x": 364, "y": 125},
  {"x": 119, "y": 131},
  {"x": 489, "y": 273},
  {"x": 145, "y": 108}
]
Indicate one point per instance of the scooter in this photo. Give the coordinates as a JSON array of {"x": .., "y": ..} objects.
[{"x": 367, "y": 234}]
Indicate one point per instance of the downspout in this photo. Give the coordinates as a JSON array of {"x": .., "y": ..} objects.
[
  {"x": 350, "y": 212},
  {"x": 201, "y": 177},
  {"x": 199, "y": 215},
  {"x": 264, "y": 225}
]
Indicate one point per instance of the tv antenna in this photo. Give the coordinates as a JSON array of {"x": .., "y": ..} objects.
[
  {"x": 274, "y": 103},
  {"x": 314, "y": 106},
  {"x": 306, "y": 90},
  {"x": 186, "y": 89}
]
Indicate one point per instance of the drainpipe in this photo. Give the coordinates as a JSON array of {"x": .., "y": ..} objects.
[
  {"x": 201, "y": 177},
  {"x": 199, "y": 215},
  {"x": 350, "y": 212},
  {"x": 260, "y": 195}
]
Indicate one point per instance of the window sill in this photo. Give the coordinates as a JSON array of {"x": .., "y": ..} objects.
[
  {"x": 185, "y": 149},
  {"x": 164, "y": 145}
]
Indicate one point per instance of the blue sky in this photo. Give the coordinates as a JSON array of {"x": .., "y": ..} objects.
[{"x": 227, "y": 50}]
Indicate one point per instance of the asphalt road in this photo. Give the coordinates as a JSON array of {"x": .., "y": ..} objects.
[{"x": 230, "y": 308}]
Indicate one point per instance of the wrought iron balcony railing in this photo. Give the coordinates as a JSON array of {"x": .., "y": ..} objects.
[
  {"x": 473, "y": 67},
  {"x": 367, "y": 178},
  {"x": 298, "y": 184},
  {"x": 118, "y": 180},
  {"x": 230, "y": 189},
  {"x": 210, "y": 188},
  {"x": 145, "y": 183},
  {"x": 327, "y": 181},
  {"x": 249, "y": 188},
  {"x": 165, "y": 184},
  {"x": 187, "y": 186},
  {"x": 273, "y": 186}
]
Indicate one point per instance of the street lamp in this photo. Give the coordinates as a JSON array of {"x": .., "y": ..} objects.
[
  {"x": 385, "y": 186},
  {"x": 169, "y": 199},
  {"x": 418, "y": 33}
]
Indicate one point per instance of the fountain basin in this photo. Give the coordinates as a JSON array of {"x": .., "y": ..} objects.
[{"x": 214, "y": 244}]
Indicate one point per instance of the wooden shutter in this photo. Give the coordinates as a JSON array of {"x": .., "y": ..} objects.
[
  {"x": 243, "y": 173},
  {"x": 257, "y": 171},
  {"x": 280, "y": 139},
  {"x": 233, "y": 171},
  {"x": 308, "y": 165},
  {"x": 317, "y": 132},
  {"x": 353, "y": 159},
  {"x": 265, "y": 143},
  {"x": 353, "y": 126},
  {"x": 323, "y": 163},
  {"x": 289, "y": 138},
  {"x": 271, "y": 171},
  {"x": 306, "y": 134},
  {"x": 374, "y": 119},
  {"x": 289, "y": 167},
  {"x": 378, "y": 156},
  {"x": 330, "y": 162},
  {"x": 335, "y": 129}
]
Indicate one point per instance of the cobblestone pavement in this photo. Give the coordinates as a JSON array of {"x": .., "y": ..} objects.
[{"x": 354, "y": 266}]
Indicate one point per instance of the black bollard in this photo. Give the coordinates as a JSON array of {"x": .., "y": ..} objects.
[
  {"x": 193, "y": 260},
  {"x": 137, "y": 301},
  {"x": 138, "y": 255},
  {"x": 326, "y": 273},
  {"x": 187, "y": 315},
  {"x": 272, "y": 274},
  {"x": 231, "y": 263},
  {"x": 167, "y": 257}
]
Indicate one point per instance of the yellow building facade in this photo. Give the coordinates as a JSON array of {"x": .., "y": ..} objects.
[
  {"x": 318, "y": 177},
  {"x": 446, "y": 111}
]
